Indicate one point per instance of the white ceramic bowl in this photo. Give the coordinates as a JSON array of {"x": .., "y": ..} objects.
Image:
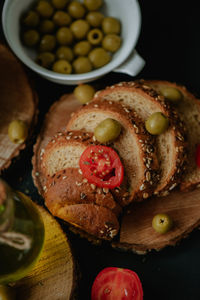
[{"x": 125, "y": 60}]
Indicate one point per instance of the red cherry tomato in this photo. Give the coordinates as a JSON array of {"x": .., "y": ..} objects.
[
  {"x": 198, "y": 156},
  {"x": 102, "y": 166},
  {"x": 117, "y": 284}
]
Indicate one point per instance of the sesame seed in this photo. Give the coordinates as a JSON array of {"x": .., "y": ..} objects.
[
  {"x": 113, "y": 233},
  {"x": 96, "y": 105},
  {"x": 37, "y": 173},
  {"x": 93, "y": 186},
  {"x": 142, "y": 187},
  {"x": 105, "y": 190},
  {"x": 145, "y": 195},
  {"x": 99, "y": 191},
  {"x": 64, "y": 177},
  {"x": 173, "y": 186},
  {"x": 68, "y": 137},
  {"x": 80, "y": 172},
  {"x": 148, "y": 176}
]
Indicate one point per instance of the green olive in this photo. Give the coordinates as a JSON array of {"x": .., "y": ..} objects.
[
  {"x": 45, "y": 59},
  {"x": 111, "y": 25},
  {"x": 64, "y": 36},
  {"x": 93, "y": 4},
  {"x": 45, "y": 9},
  {"x": 80, "y": 29},
  {"x": 95, "y": 36},
  {"x": 62, "y": 66},
  {"x": 17, "y": 131},
  {"x": 46, "y": 26},
  {"x": 162, "y": 223},
  {"x": 170, "y": 93},
  {"x": 76, "y": 10},
  {"x": 82, "y": 65},
  {"x": 82, "y": 48},
  {"x": 31, "y": 38},
  {"x": 61, "y": 18},
  {"x": 2, "y": 209},
  {"x": 111, "y": 42},
  {"x": 157, "y": 123},
  {"x": 59, "y": 4},
  {"x": 31, "y": 19},
  {"x": 99, "y": 57},
  {"x": 108, "y": 130},
  {"x": 7, "y": 293},
  {"x": 95, "y": 18},
  {"x": 84, "y": 93},
  {"x": 65, "y": 52},
  {"x": 47, "y": 43}
]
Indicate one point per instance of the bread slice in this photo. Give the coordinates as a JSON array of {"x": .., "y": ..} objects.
[
  {"x": 134, "y": 146},
  {"x": 189, "y": 112},
  {"x": 68, "y": 195},
  {"x": 170, "y": 145}
]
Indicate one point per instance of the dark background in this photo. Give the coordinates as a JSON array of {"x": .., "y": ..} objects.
[{"x": 170, "y": 44}]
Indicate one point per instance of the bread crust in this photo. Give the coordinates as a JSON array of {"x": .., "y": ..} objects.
[
  {"x": 145, "y": 143},
  {"x": 176, "y": 129},
  {"x": 70, "y": 197},
  {"x": 69, "y": 187}
]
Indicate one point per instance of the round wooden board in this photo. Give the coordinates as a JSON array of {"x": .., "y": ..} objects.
[
  {"x": 136, "y": 233},
  {"x": 18, "y": 101},
  {"x": 53, "y": 277}
]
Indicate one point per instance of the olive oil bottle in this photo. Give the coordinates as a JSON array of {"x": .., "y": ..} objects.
[{"x": 21, "y": 234}]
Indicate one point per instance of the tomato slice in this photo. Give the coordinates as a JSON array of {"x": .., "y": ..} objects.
[
  {"x": 198, "y": 156},
  {"x": 117, "y": 284},
  {"x": 102, "y": 166}
]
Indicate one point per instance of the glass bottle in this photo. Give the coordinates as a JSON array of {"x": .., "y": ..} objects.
[{"x": 21, "y": 234}]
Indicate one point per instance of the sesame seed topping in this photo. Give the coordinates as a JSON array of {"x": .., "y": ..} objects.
[
  {"x": 93, "y": 186},
  {"x": 145, "y": 195},
  {"x": 105, "y": 190},
  {"x": 80, "y": 172}
]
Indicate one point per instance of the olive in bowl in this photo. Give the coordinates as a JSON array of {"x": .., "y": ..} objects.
[{"x": 129, "y": 16}]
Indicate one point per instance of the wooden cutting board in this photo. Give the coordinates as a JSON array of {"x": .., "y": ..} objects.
[
  {"x": 53, "y": 277},
  {"x": 17, "y": 101},
  {"x": 136, "y": 232}
]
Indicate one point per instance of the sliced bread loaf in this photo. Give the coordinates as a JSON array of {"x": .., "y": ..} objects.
[
  {"x": 170, "y": 145},
  {"x": 69, "y": 196},
  {"x": 188, "y": 109},
  {"x": 134, "y": 146}
]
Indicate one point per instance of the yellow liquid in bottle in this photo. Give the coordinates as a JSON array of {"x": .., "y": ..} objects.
[{"x": 16, "y": 263}]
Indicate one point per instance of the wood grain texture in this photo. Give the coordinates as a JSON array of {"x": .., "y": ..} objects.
[
  {"x": 53, "y": 277},
  {"x": 136, "y": 232}
]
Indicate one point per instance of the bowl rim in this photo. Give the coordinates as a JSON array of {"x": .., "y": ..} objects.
[{"x": 114, "y": 63}]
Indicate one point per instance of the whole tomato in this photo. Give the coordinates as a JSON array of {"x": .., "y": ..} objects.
[{"x": 117, "y": 284}]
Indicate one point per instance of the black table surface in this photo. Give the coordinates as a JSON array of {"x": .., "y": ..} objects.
[{"x": 170, "y": 44}]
